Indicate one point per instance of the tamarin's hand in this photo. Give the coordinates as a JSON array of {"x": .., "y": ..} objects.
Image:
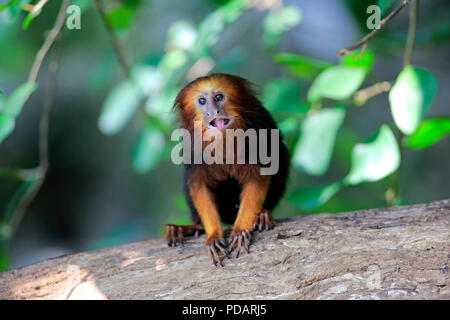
[{"x": 228, "y": 192}]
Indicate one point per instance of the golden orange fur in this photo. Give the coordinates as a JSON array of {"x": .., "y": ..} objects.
[
  {"x": 227, "y": 192},
  {"x": 186, "y": 99}
]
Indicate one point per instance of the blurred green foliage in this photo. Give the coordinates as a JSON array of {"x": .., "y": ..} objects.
[
  {"x": 11, "y": 107},
  {"x": 310, "y": 100}
]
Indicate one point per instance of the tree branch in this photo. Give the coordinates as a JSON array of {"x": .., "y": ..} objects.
[
  {"x": 390, "y": 253},
  {"x": 28, "y": 197},
  {"x": 120, "y": 52},
  {"x": 361, "y": 96},
  {"x": 413, "y": 16},
  {"x": 393, "y": 193},
  {"x": 363, "y": 42},
  {"x": 48, "y": 41}
]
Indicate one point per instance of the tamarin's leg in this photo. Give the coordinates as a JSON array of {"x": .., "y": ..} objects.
[
  {"x": 252, "y": 199},
  {"x": 174, "y": 234},
  {"x": 204, "y": 203}
]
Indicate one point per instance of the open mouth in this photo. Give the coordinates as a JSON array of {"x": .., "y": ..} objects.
[{"x": 220, "y": 123}]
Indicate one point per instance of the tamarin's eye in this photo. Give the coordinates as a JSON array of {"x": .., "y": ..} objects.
[
  {"x": 218, "y": 97},
  {"x": 202, "y": 101}
]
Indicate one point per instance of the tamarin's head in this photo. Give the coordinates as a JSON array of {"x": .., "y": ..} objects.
[{"x": 218, "y": 100}]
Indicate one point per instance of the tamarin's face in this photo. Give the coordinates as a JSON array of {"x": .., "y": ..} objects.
[
  {"x": 212, "y": 104},
  {"x": 215, "y": 100}
]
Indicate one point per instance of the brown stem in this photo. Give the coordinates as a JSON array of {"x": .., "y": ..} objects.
[
  {"x": 120, "y": 52},
  {"x": 393, "y": 193},
  {"x": 48, "y": 42},
  {"x": 367, "y": 38},
  {"x": 413, "y": 15},
  {"x": 361, "y": 96},
  {"x": 28, "y": 197}
]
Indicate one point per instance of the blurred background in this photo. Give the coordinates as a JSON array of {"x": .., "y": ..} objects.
[{"x": 365, "y": 130}]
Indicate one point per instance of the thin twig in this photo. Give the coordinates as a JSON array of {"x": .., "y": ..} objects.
[
  {"x": 120, "y": 52},
  {"x": 361, "y": 96},
  {"x": 413, "y": 15},
  {"x": 33, "y": 8},
  {"x": 18, "y": 173},
  {"x": 393, "y": 193},
  {"x": 42, "y": 169},
  {"x": 38, "y": 6},
  {"x": 367, "y": 38},
  {"x": 48, "y": 42}
]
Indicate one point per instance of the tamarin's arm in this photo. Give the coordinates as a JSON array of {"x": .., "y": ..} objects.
[
  {"x": 252, "y": 199},
  {"x": 204, "y": 203}
]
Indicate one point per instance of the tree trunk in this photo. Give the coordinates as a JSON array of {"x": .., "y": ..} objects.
[{"x": 393, "y": 253}]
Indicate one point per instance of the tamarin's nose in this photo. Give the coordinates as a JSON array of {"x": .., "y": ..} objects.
[
  {"x": 214, "y": 111},
  {"x": 217, "y": 117}
]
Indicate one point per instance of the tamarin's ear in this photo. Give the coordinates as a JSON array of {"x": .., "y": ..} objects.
[{"x": 178, "y": 104}]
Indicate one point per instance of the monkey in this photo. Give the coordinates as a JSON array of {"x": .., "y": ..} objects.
[{"x": 233, "y": 193}]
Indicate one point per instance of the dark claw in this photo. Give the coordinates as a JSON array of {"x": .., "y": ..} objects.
[
  {"x": 174, "y": 235},
  {"x": 217, "y": 257},
  {"x": 262, "y": 221},
  {"x": 239, "y": 240}
]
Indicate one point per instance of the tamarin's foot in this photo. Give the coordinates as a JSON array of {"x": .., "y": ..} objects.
[
  {"x": 263, "y": 221},
  {"x": 239, "y": 239},
  {"x": 217, "y": 249},
  {"x": 175, "y": 234}
]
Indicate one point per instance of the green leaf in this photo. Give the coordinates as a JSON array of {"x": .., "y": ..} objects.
[
  {"x": 313, "y": 151},
  {"x": 366, "y": 61},
  {"x": 311, "y": 198},
  {"x": 181, "y": 35},
  {"x": 288, "y": 125},
  {"x": 301, "y": 66},
  {"x": 376, "y": 160},
  {"x": 411, "y": 96},
  {"x": 172, "y": 61},
  {"x": 7, "y": 124},
  {"x": 210, "y": 27},
  {"x": 25, "y": 188},
  {"x": 149, "y": 150},
  {"x": 118, "y": 108},
  {"x": 279, "y": 21},
  {"x": 338, "y": 83},
  {"x": 7, "y": 4},
  {"x": 18, "y": 98},
  {"x": 429, "y": 132},
  {"x": 29, "y": 18},
  {"x": 121, "y": 17},
  {"x": 147, "y": 79},
  {"x": 283, "y": 95},
  {"x": 160, "y": 102},
  {"x": 15, "y": 7}
]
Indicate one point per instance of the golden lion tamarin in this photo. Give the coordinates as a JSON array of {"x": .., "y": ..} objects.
[{"x": 228, "y": 192}]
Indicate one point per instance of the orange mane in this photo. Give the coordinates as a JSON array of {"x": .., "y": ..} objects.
[{"x": 231, "y": 86}]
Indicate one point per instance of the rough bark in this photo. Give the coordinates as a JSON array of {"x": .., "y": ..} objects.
[{"x": 393, "y": 253}]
